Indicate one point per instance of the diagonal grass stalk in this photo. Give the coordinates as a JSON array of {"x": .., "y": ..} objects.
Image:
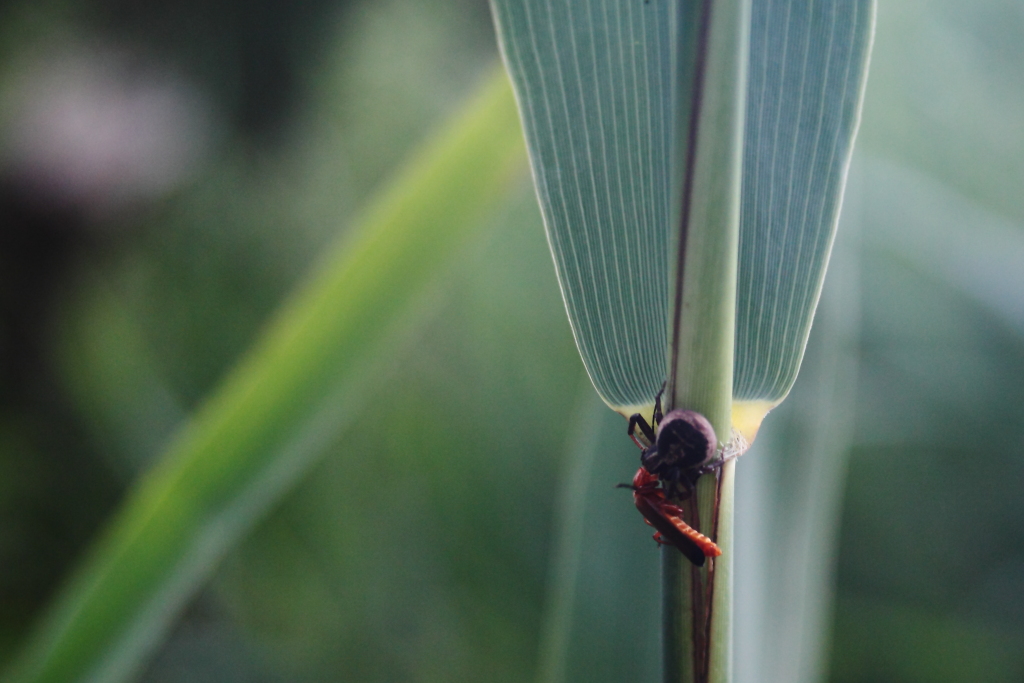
[{"x": 304, "y": 380}]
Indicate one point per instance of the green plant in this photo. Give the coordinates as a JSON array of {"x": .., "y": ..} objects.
[
  {"x": 279, "y": 408},
  {"x": 690, "y": 159},
  {"x": 415, "y": 545}
]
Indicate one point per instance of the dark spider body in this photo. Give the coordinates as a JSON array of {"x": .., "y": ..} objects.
[{"x": 677, "y": 454}]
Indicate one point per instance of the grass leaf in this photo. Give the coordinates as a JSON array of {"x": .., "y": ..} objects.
[
  {"x": 595, "y": 82},
  {"x": 808, "y": 68},
  {"x": 304, "y": 381}
]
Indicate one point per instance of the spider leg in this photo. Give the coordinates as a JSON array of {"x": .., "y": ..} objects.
[
  {"x": 658, "y": 414},
  {"x": 637, "y": 421}
]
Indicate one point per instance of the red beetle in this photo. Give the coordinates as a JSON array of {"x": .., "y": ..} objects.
[
  {"x": 667, "y": 519},
  {"x": 677, "y": 450}
]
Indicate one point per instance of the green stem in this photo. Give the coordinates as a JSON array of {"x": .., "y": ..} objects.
[{"x": 697, "y": 601}]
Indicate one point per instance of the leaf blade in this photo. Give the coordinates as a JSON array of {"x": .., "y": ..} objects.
[
  {"x": 807, "y": 77},
  {"x": 272, "y": 416},
  {"x": 808, "y": 66},
  {"x": 593, "y": 83}
]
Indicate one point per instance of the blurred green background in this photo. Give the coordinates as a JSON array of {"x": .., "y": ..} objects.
[{"x": 168, "y": 172}]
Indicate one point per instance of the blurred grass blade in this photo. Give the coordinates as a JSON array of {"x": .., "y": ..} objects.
[
  {"x": 275, "y": 413},
  {"x": 789, "y": 496},
  {"x": 808, "y": 68},
  {"x": 594, "y": 82},
  {"x": 581, "y": 448},
  {"x": 929, "y": 224}
]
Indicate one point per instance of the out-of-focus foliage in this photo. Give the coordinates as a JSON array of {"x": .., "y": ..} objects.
[
  {"x": 418, "y": 549},
  {"x": 931, "y": 549}
]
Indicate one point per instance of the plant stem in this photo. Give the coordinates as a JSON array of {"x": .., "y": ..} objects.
[{"x": 697, "y": 601}]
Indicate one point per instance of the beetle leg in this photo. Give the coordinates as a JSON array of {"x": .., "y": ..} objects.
[{"x": 673, "y": 510}]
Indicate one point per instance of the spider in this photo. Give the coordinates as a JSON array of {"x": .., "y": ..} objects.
[{"x": 676, "y": 451}]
